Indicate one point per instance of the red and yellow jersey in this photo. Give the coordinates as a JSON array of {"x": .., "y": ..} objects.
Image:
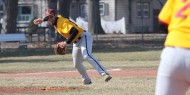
[
  {"x": 176, "y": 13},
  {"x": 64, "y": 26}
]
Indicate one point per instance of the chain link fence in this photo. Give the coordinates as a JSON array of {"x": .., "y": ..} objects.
[{"x": 45, "y": 37}]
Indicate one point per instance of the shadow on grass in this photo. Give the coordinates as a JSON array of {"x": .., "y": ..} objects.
[
  {"x": 29, "y": 52},
  {"x": 36, "y": 61},
  {"x": 48, "y": 51},
  {"x": 128, "y": 49}
]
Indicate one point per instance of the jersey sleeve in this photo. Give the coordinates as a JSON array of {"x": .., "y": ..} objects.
[{"x": 166, "y": 12}]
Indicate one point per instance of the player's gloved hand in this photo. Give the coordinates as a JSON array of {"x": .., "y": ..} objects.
[
  {"x": 62, "y": 44},
  {"x": 60, "y": 50}
]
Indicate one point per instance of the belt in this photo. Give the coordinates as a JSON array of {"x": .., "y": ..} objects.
[{"x": 78, "y": 38}]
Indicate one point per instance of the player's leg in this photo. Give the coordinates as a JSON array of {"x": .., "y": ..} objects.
[
  {"x": 171, "y": 78},
  {"x": 169, "y": 86},
  {"x": 86, "y": 46},
  {"x": 78, "y": 64},
  {"x": 187, "y": 64}
]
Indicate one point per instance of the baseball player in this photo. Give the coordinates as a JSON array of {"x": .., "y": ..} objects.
[
  {"x": 173, "y": 76},
  {"x": 82, "y": 44}
]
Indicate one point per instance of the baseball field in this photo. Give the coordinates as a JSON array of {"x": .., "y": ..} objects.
[{"x": 41, "y": 72}]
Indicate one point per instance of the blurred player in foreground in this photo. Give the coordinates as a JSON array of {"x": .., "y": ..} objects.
[
  {"x": 82, "y": 44},
  {"x": 173, "y": 76}
]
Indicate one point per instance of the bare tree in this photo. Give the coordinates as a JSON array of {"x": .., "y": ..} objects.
[
  {"x": 64, "y": 7},
  {"x": 161, "y": 3},
  {"x": 52, "y": 4},
  {"x": 9, "y": 16},
  {"x": 94, "y": 20}
]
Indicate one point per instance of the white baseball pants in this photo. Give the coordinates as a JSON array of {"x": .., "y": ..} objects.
[
  {"x": 82, "y": 50},
  {"x": 173, "y": 76}
]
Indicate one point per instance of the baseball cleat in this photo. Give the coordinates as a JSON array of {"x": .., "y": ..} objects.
[
  {"x": 107, "y": 78},
  {"x": 87, "y": 83}
]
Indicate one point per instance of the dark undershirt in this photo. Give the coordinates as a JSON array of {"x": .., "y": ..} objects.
[
  {"x": 45, "y": 19},
  {"x": 73, "y": 33}
]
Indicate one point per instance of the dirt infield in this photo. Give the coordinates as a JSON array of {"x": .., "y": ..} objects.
[
  {"x": 113, "y": 72},
  {"x": 92, "y": 73},
  {"x": 12, "y": 90}
]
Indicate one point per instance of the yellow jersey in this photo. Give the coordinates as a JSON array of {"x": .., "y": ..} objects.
[
  {"x": 64, "y": 25},
  {"x": 176, "y": 13}
]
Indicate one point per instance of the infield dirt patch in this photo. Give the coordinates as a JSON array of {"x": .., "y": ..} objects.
[
  {"x": 35, "y": 89},
  {"x": 114, "y": 73}
]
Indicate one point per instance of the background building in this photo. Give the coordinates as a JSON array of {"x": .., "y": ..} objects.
[{"x": 140, "y": 15}]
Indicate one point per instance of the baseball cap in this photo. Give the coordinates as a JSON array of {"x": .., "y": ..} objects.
[{"x": 49, "y": 12}]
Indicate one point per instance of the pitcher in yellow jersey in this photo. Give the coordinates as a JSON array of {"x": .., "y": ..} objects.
[
  {"x": 173, "y": 76},
  {"x": 82, "y": 44}
]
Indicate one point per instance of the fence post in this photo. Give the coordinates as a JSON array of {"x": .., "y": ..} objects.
[
  {"x": 50, "y": 36},
  {"x": 44, "y": 34}
]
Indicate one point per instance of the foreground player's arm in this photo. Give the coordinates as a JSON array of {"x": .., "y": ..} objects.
[
  {"x": 165, "y": 15},
  {"x": 163, "y": 27}
]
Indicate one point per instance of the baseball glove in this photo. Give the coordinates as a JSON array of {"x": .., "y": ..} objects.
[{"x": 60, "y": 50}]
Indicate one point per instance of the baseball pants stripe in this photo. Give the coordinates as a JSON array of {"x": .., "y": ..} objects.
[{"x": 93, "y": 58}]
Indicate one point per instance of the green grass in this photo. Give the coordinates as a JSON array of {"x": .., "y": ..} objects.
[
  {"x": 118, "y": 86},
  {"x": 35, "y": 61},
  {"x": 51, "y": 62}
]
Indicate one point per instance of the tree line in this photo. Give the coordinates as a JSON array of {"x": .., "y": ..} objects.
[{"x": 10, "y": 12}]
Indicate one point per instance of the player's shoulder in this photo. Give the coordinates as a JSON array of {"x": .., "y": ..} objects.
[{"x": 60, "y": 16}]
